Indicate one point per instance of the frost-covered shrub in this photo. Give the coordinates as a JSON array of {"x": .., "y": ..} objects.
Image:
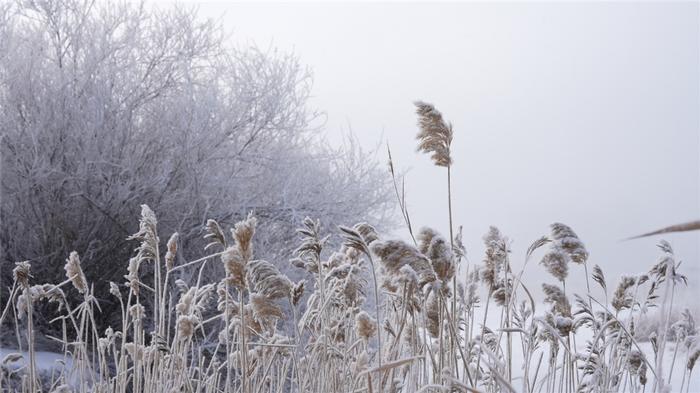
[{"x": 106, "y": 106}]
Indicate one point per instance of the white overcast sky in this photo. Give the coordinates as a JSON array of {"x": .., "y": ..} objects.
[{"x": 582, "y": 113}]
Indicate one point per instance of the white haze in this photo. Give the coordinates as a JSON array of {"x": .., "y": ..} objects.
[{"x": 585, "y": 114}]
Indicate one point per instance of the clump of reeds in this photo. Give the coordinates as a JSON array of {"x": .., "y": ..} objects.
[{"x": 371, "y": 315}]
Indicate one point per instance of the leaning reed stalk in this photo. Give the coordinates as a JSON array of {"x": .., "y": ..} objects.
[{"x": 10, "y": 300}]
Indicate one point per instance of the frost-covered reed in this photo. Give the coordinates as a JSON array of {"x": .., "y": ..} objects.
[{"x": 372, "y": 315}]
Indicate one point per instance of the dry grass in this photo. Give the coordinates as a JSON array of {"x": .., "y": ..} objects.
[{"x": 425, "y": 328}]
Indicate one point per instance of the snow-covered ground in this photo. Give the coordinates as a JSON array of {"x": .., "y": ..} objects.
[
  {"x": 54, "y": 363},
  {"x": 44, "y": 360},
  {"x": 47, "y": 363}
]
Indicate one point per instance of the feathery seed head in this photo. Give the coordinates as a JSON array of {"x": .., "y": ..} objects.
[
  {"x": 564, "y": 325},
  {"x": 148, "y": 218},
  {"x": 352, "y": 254},
  {"x": 32, "y": 294},
  {"x": 243, "y": 233},
  {"x": 358, "y": 237},
  {"x": 458, "y": 248},
  {"x": 312, "y": 242},
  {"x": 214, "y": 233},
  {"x": 634, "y": 360},
  {"x": 569, "y": 242},
  {"x": 621, "y": 298},
  {"x": 52, "y": 293},
  {"x": 555, "y": 296},
  {"x": 74, "y": 272},
  {"x": 172, "y": 251},
  {"x": 424, "y": 239},
  {"x": 235, "y": 266},
  {"x": 186, "y": 325},
  {"x": 365, "y": 325},
  {"x": 368, "y": 233},
  {"x": 264, "y": 278},
  {"x": 557, "y": 263},
  {"x": 352, "y": 287},
  {"x": 432, "y": 313},
  {"x": 297, "y": 292},
  {"x": 394, "y": 254},
  {"x": 132, "y": 279},
  {"x": 225, "y": 303},
  {"x": 435, "y": 136},
  {"x": 147, "y": 234},
  {"x": 24, "y": 302},
  {"x": 502, "y": 292},
  {"x": 185, "y": 305},
  {"x": 436, "y": 248},
  {"x": 408, "y": 275},
  {"x": 21, "y": 273},
  {"x": 114, "y": 290},
  {"x": 134, "y": 350},
  {"x": 265, "y": 311},
  {"x": 496, "y": 256}
]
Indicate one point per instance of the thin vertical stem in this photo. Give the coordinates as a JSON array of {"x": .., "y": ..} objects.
[
  {"x": 376, "y": 309},
  {"x": 454, "y": 278},
  {"x": 244, "y": 348},
  {"x": 30, "y": 328}
]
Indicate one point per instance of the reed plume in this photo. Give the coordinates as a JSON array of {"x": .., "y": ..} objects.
[
  {"x": 214, "y": 233},
  {"x": 621, "y": 298},
  {"x": 297, "y": 292},
  {"x": 243, "y": 233},
  {"x": 394, "y": 254},
  {"x": 147, "y": 235},
  {"x": 74, "y": 272},
  {"x": 435, "y": 136},
  {"x": 172, "y": 251},
  {"x": 496, "y": 255},
  {"x": 235, "y": 267},
  {"x": 22, "y": 273},
  {"x": 432, "y": 314},
  {"x": 265, "y": 311},
  {"x": 186, "y": 325},
  {"x": 557, "y": 263},
  {"x": 365, "y": 325},
  {"x": 265, "y": 279},
  {"x": 435, "y": 247},
  {"x": 556, "y": 297},
  {"x": 566, "y": 239},
  {"x": 132, "y": 278}
]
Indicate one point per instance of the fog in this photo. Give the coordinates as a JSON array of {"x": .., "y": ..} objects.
[{"x": 585, "y": 114}]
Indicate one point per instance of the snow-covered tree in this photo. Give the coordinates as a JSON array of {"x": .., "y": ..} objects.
[{"x": 105, "y": 106}]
